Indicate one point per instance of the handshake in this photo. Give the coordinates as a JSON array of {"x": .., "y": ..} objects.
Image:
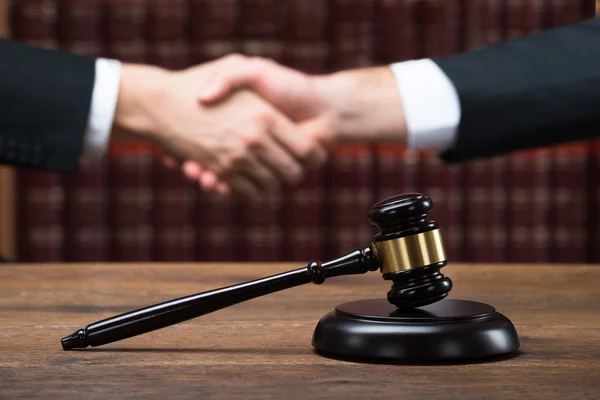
[{"x": 248, "y": 125}]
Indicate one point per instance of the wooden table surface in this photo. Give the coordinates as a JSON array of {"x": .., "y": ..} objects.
[{"x": 262, "y": 348}]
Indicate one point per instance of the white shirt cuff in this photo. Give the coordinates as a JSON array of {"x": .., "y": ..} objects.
[
  {"x": 103, "y": 105},
  {"x": 431, "y": 104}
]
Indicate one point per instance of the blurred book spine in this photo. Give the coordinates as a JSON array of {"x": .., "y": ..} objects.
[
  {"x": 169, "y": 47},
  {"x": 350, "y": 168},
  {"x": 130, "y": 163},
  {"x": 214, "y": 33},
  {"x": 484, "y": 180},
  {"x": 40, "y": 195},
  {"x": 305, "y": 48}
]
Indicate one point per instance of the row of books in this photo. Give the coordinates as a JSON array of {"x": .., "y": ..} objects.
[{"x": 533, "y": 206}]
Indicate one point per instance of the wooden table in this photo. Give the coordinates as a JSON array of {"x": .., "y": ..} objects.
[{"x": 262, "y": 348}]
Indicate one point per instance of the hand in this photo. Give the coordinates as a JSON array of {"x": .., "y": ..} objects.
[
  {"x": 294, "y": 93},
  {"x": 352, "y": 106},
  {"x": 245, "y": 141}
]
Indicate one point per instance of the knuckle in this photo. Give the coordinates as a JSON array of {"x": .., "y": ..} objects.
[
  {"x": 236, "y": 57},
  {"x": 237, "y": 159},
  {"x": 265, "y": 117},
  {"x": 295, "y": 175},
  {"x": 252, "y": 139}
]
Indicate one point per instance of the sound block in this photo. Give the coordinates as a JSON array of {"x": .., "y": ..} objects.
[{"x": 448, "y": 330}]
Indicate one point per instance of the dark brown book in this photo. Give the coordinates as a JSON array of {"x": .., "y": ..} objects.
[
  {"x": 438, "y": 35},
  {"x": 86, "y": 230},
  {"x": 444, "y": 184},
  {"x": 169, "y": 47},
  {"x": 350, "y": 170},
  {"x": 214, "y": 28},
  {"x": 569, "y": 212},
  {"x": 529, "y": 175},
  {"x": 484, "y": 180},
  {"x": 131, "y": 202},
  {"x": 305, "y": 48},
  {"x": 570, "y": 167},
  {"x": 259, "y": 230},
  {"x": 395, "y": 40},
  {"x": 351, "y": 31},
  {"x": 130, "y": 164},
  {"x": 214, "y": 33}
]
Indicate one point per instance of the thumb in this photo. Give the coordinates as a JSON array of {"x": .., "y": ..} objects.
[
  {"x": 245, "y": 74},
  {"x": 318, "y": 129}
]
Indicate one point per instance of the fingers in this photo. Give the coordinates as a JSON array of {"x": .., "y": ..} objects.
[
  {"x": 307, "y": 150},
  {"x": 283, "y": 164}
]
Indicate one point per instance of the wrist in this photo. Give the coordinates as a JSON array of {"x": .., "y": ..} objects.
[
  {"x": 365, "y": 105},
  {"x": 140, "y": 88}
]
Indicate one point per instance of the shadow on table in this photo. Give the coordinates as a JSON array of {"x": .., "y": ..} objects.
[{"x": 287, "y": 352}]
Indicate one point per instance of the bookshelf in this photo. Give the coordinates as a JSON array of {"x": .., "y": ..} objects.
[{"x": 7, "y": 200}]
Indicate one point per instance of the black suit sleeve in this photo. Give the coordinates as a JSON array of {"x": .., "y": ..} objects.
[
  {"x": 45, "y": 98},
  {"x": 531, "y": 92}
]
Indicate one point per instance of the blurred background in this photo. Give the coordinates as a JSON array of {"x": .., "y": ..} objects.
[{"x": 540, "y": 205}]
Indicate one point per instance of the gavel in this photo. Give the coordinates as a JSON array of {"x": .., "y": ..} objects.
[{"x": 408, "y": 250}]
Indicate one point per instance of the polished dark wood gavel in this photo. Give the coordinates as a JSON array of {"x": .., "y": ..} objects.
[{"x": 408, "y": 250}]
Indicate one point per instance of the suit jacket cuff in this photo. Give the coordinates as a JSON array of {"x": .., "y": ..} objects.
[
  {"x": 431, "y": 104},
  {"x": 102, "y": 110}
]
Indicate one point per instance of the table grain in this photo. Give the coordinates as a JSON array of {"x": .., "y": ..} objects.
[{"x": 261, "y": 349}]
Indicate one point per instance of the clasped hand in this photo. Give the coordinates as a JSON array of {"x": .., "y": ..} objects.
[
  {"x": 238, "y": 141},
  {"x": 248, "y": 124}
]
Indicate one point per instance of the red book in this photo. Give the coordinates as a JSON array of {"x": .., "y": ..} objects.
[
  {"x": 168, "y": 47},
  {"x": 305, "y": 46},
  {"x": 214, "y": 28},
  {"x": 569, "y": 214},
  {"x": 303, "y": 206},
  {"x": 523, "y": 17},
  {"x": 80, "y": 31},
  {"x": 484, "y": 180},
  {"x": 483, "y": 23},
  {"x": 439, "y": 35},
  {"x": 396, "y": 171},
  {"x": 261, "y": 28},
  {"x": 305, "y": 20},
  {"x": 130, "y": 164},
  {"x": 214, "y": 33},
  {"x": 350, "y": 171},
  {"x": 131, "y": 202},
  {"x": 485, "y": 210},
  {"x": 351, "y": 33},
  {"x": 40, "y": 205},
  {"x": 529, "y": 196},
  {"x": 593, "y": 222},
  {"x": 395, "y": 40},
  {"x": 167, "y": 34},
  {"x": 563, "y": 12},
  {"x": 125, "y": 29},
  {"x": 528, "y": 171},
  {"x": 350, "y": 197},
  {"x": 395, "y": 31},
  {"x": 259, "y": 231},
  {"x": 443, "y": 183}
]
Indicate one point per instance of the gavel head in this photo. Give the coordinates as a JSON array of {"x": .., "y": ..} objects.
[{"x": 410, "y": 250}]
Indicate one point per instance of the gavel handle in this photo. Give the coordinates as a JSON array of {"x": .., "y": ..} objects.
[{"x": 172, "y": 312}]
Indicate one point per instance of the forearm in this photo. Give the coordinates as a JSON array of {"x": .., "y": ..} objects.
[
  {"x": 365, "y": 105},
  {"x": 536, "y": 91}
]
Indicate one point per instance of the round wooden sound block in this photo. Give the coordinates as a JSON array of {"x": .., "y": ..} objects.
[{"x": 448, "y": 330}]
